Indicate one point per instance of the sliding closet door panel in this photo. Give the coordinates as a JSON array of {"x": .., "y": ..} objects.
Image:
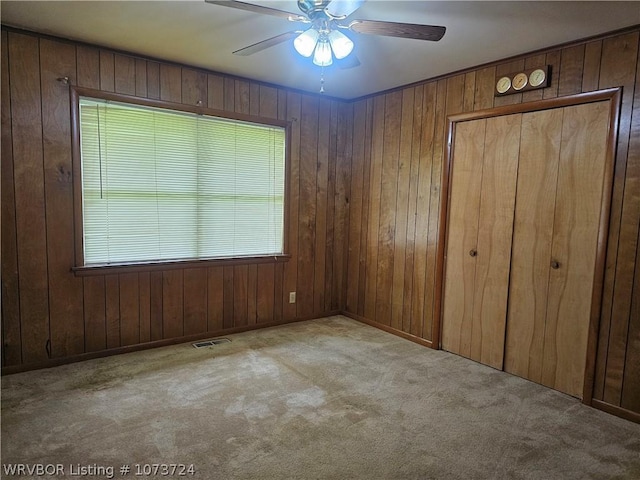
[
  {"x": 575, "y": 239},
  {"x": 532, "y": 235},
  {"x": 466, "y": 183},
  {"x": 501, "y": 146}
]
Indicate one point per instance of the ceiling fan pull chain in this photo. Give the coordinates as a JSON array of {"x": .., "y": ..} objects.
[{"x": 322, "y": 80}]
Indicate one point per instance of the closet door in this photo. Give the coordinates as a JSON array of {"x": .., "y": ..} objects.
[
  {"x": 575, "y": 240},
  {"x": 532, "y": 236},
  {"x": 495, "y": 229},
  {"x": 478, "y": 253},
  {"x": 558, "y": 206},
  {"x": 464, "y": 208}
]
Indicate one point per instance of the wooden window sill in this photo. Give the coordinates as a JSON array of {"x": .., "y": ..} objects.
[{"x": 89, "y": 270}]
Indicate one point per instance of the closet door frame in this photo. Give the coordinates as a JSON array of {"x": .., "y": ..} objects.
[{"x": 614, "y": 96}]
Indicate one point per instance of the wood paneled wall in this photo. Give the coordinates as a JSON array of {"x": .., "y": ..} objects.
[
  {"x": 398, "y": 150},
  {"x": 48, "y": 313},
  {"x": 364, "y": 211}
]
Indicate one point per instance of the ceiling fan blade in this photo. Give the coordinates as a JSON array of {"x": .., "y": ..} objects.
[
  {"x": 269, "y": 42},
  {"x": 394, "y": 29},
  {"x": 343, "y": 8},
  {"x": 349, "y": 62},
  {"x": 250, "y": 7}
]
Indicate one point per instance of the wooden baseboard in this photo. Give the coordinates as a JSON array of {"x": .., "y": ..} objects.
[
  {"x": 387, "y": 328},
  {"x": 55, "y": 362},
  {"x": 615, "y": 410}
]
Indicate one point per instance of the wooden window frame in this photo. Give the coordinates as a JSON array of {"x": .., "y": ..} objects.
[{"x": 80, "y": 269}]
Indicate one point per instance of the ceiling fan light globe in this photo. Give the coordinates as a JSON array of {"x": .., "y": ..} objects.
[
  {"x": 341, "y": 44},
  {"x": 306, "y": 42},
  {"x": 322, "y": 56}
]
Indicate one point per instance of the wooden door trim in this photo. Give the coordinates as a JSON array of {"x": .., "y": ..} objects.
[{"x": 614, "y": 96}]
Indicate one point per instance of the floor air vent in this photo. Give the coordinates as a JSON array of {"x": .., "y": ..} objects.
[{"x": 211, "y": 343}]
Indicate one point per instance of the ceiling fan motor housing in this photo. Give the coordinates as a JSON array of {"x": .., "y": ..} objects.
[{"x": 313, "y": 7}]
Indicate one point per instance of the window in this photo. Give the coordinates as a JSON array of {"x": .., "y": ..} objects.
[{"x": 164, "y": 185}]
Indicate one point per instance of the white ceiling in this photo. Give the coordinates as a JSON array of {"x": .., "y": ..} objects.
[{"x": 203, "y": 35}]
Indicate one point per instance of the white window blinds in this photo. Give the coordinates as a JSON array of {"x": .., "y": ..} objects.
[{"x": 166, "y": 185}]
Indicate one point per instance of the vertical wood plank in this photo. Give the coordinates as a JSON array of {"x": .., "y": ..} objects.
[
  {"x": 88, "y": 67},
  {"x": 402, "y": 207},
  {"x": 344, "y": 145},
  {"x": 282, "y": 104},
  {"x": 95, "y": 326},
  {"x": 112, "y": 310},
  {"x": 170, "y": 83},
  {"x": 366, "y": 195},
  {"x": 337, "y": 122},
  {"x": 322, "y": 178},
  {"x": 195, "y": 300},
  {"x": 141, "y": 77},
  {"x": 228, "y": 297},
  {"x": 107, "y": 71},
  {"x": 485, "y": 88},
  {"x": 58, "y": 60},
  {"x": 268, "y": 101},
  {"x": 240, "y": 280},
  {"x": 355, "y": 206},
  {"x": 291, "y": 267},
  {"x": 591, "y": 71},
  {"x": 129, "y": 309},
  {"x": 254, "y": 98},
  {"x": 444, "y": 106},
  {"x": 215, "y": 298},
  {"x": 279, "y": 294},
  {"x": 215, "y": 91},
  {"x": 266, "y": 292},
  {"x": 388, "y": 202},
  {"x": 374, "y": 207},
  {"x": 412, "y": 214},
  {"x": 307, "y": 201},
  {"x": 242, "y": 96},
  {"x": 155, "y": 308},
  {"x": 24, "y": 58},
  {"x": 172, "y": 303},
  {"x": 571, "y": 68},
  {"x": 153, "y": 80},
  {"x": 469, "y": 92},
  {"x": 229, "y": 94},
  {"x": 125, "y": 74},
  {"x": 11, "y": 336},
  {"x": 252, "y": 294},
  {"x": 432, "y": 110},
  {"x": 194, "y": 87},
  {"x": 144, "y": 287}
]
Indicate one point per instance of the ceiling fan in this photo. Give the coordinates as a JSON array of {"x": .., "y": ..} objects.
[{"x": 324, "y": 38}]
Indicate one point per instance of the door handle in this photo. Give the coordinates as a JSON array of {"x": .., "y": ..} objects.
[
  {"x": 555, "y": 265},
  {"x": 473, "y": 253}
]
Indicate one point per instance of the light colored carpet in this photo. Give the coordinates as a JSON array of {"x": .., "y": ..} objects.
[{"x": 323, "y": 399}]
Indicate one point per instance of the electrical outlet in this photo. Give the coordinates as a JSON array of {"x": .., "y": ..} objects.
[{"x": 292, "y": 297}]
